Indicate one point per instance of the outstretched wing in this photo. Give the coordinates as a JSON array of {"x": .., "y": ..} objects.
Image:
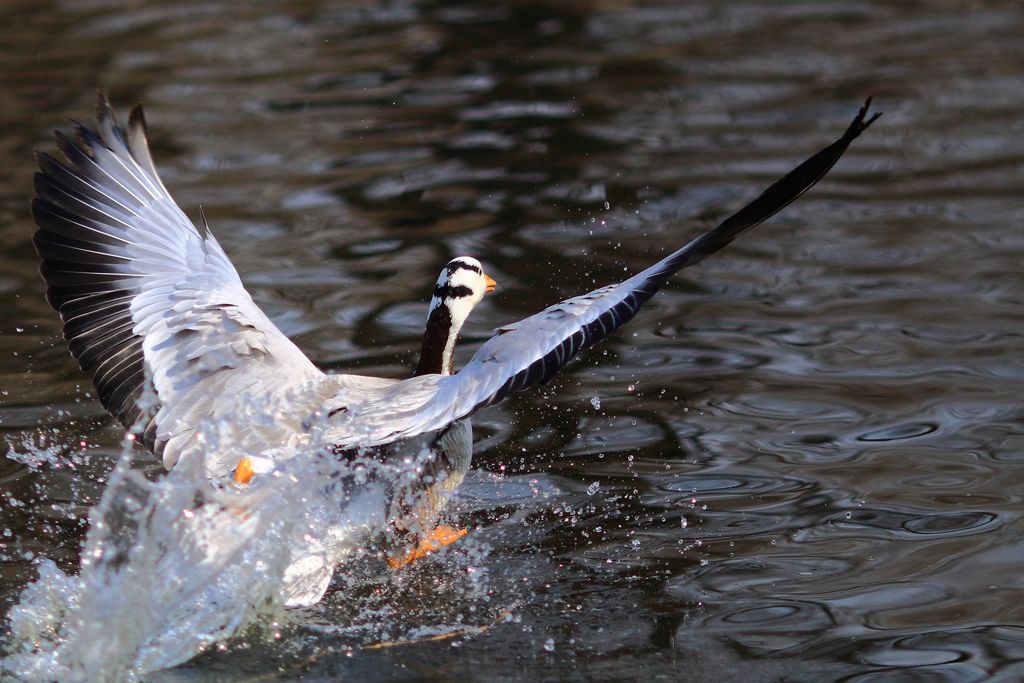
[
  {"x": 533, "y": 350},
  {"x": 144, "y": 295}
]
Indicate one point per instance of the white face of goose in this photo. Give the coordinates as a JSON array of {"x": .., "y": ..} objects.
[{"x": 460, "y": 287}]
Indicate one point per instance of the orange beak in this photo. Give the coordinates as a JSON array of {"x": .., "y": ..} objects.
[
  {"x": 491, "y": 284},
  {"x": 244, "y": 471}
]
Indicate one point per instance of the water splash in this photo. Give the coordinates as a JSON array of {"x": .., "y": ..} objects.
[{"x": 172, "y": 566}]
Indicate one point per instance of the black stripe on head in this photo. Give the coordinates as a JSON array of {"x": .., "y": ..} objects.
[
  {"x": 457, "y": 265},
  {"x": 448, "y": 292}
]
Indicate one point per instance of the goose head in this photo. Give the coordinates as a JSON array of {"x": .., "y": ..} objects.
[{"x": 460, "y": 287}]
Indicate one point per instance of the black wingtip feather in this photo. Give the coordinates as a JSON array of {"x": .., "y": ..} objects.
[
  {"x": 67, "y": 147},
  {"x": 859, "y": 125},
  {"x": 85, "y": 262},
  {"x": 104, "y": 111},
  {"x": 137, "y": 117},
  {"x": 768, "y": 203},
  {"x": 776, "y": 197}
]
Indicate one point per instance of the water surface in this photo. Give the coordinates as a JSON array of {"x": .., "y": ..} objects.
[{"x": 806, "y": 457}]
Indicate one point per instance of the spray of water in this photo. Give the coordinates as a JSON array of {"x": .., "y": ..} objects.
[{"x": 170, "y": 567}]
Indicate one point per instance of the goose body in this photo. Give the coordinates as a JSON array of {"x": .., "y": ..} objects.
[{"x": 156, "y": 314}]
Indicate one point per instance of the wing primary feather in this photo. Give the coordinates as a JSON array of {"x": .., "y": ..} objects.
[
  {"x": 111, "y": 192},
  {"x": 80, "y": 184},
  {"x": 76, "y": 203},
  {"x": 138, "y": 144},
  {"x": 51, "y": 218},
  {"x": 594, "y": 316},
  {"x": 81, "y": 310},
  {"x": 777, "y": 197},
  {"x": 142, "y": 292}
]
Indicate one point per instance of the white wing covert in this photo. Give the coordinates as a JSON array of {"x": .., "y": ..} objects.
[
  {"x": 533, "y": 350},
  {"x": 144, "y": 294}
]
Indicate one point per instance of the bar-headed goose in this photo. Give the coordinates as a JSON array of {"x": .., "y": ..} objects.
[{"x": 149, "y": 299}]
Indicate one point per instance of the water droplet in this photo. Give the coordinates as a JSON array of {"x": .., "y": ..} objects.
[
  {"x": 596, "y": 402},
  {"x": 593, "y": 488},
  {"x": 549, "y": 645}
]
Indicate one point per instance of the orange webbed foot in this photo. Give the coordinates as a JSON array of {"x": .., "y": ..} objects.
[{"x": 435, "y": 540}]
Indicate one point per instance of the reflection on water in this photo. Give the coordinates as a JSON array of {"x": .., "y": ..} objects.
[{"x": 817, "y": 472}]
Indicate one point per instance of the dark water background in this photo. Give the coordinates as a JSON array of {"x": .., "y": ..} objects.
[{"x": 808, "y": 452}]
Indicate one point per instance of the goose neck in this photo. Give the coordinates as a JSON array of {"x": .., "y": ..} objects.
[{"x": 437, "y": 354}]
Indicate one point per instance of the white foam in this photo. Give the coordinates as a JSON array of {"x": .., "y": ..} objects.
[{"x": 172, "y": 566}]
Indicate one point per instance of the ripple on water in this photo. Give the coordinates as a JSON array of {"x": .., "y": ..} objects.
[
  {"x": 710, "y": 485},
  {"x": 798, "y": 409},
  {"x": 951, "y": 523},
  {"x": 899, "y": 432},
  {"x": 842, "y": 386},
  {"x": 905, "y": 523},
  {"x": 775, "y": 566},
  {"x": 614, "y": 434},
  {"x": 771, "y": 627}
]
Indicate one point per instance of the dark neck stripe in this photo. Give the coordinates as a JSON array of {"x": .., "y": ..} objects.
[
  {"x": 456, "y": 266},
  {"x": 446, "y": 291},
  {"x": 435, "y": 339}
]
